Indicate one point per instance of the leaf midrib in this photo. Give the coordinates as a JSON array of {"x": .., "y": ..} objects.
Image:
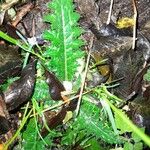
[{"x": 64, "y": 42}]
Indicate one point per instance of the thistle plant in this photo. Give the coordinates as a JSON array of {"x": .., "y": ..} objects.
[{"x": 65, "y": 44}]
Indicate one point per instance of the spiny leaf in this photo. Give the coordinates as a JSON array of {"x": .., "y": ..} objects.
[
  {"x": 64, "y": 37},
  {"x": 21, "y": 90},
  {"x": 30, "y": 137},
  {"x": 55, "y": 86},
  {"x": 41, "y": 91},
  {"x": 120, "y": 125},
  {"x": 89, "y": 120}
]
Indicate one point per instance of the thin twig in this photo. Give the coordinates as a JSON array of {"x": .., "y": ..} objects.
[
  {"x": 62, "y": 103},
  {"x": 134, "y": 26},
  {"x": 110, "y": 11},
  {"x": 24, "y": 10},
  {"x": 6, "y": 6},
  {"x": 72, "y": 98},
  {"x": 84, "y": 78}
]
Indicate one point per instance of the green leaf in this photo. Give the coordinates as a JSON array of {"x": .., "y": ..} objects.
[
  {"x": 89, "y": 120},
  {"x": 121, "y": 125},
  {"x": 30, "y": 137},
  {"x": 72, "y": 135},
  {"x": 109, "y": 112},
  {"x": 8, "y": 38},
  {"x": 41, "y": 91},
  {"x": 64, "y": 50},
  {"x": 135, "y": 137},
  {"x": 128, "y": 146},
  {"x": 147, "y": 75},
  {"x": 138, "y": 146},
  {"x": 93, "y": 145},
  {"x": 129, "y": 123}
]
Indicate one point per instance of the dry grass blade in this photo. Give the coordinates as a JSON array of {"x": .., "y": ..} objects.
[
  {"x": 135, "y": 20},
  {"x": 110, "y": 11},
  {"x": 84, "y": 78},
  {"x": 6, "y": 6}
]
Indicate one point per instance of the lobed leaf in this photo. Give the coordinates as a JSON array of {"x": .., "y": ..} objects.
[
  {"x": 89, "y": 119},
  {"x": 64, "y": 37}
]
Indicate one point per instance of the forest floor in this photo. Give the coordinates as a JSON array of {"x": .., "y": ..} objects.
[{"x": 112, "y": 39}]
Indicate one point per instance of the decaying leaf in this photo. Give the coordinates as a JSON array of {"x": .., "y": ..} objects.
[
  {"x": 4, "y": 125},
  {"x": 3, "y": 109},
  {"x": 55, "y": 86},
  {"x": 2, "y": 14},
  {"x": 115, "y": 44},
  {"x": 10, "y": 62},
  {"x": 10, "y": 30},
  {"x": 53, "y": 119},
  {"x": 21, "y": 90},
  {"x": 110, "y": 30},
  {"x": 7, "y": 5}
]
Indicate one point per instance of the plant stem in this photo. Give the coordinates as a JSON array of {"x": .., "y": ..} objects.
[
  {"x": 8, "y": 38},
  {"x": 110, "y": 11},
  {"x": 83, "y": 82},
  {"x": 134, "y": 26},
  {"x": 23, "y": 46},
  {"x": 64, "y": 43}
]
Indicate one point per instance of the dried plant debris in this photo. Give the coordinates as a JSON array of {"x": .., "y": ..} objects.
[
  {"x": 97, "y": 11},
  {"x": 139, "y": 111},
  {"x": 10, "y": 30},
  {"x": 7, "y": 5},
  {"x": 53, "y": 118},
  {"x": 3, "y": 109},
  {"x": 10, "y": 62},
  {"x": 4, "y": 125},
  {"x": 110, "y": 30},
  {"x": 115, "y": 44},
  {"x": 55, "y": 86},
  {"x": 89, "y": 10},
  {"x": 21, "y": 90},
  {"x": 35, "y": 14},
  {"x": 23, "y": 11}
]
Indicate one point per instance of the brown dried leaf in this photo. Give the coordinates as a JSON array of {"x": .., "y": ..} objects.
[
  {"x": 4, "y": 125},
  {"x": 21, "y": 90},
  {"x": 55, "y": 86},
  {"x": 89, "y": 9},
  {"x": 10, "y": 62},
  {"x": 53, "y": 119}
]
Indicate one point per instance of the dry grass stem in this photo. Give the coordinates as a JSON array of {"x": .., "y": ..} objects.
[
  {"x": 84, "y": 77},
  {"x": 134, "y": 26},
  {"x": 110, "y": 11}
]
